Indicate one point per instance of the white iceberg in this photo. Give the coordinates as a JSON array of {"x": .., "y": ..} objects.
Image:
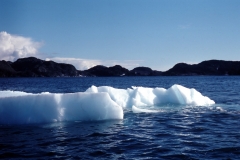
[
  {"x": 96, "y": 103},
  {"x": 142, "y": 96},
  {"x": 22, "y": 108}
]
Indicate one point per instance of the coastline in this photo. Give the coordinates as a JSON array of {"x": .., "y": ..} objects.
[{"x": 34, "y": 67}]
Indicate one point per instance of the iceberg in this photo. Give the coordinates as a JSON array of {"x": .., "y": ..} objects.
[
  {"x": 96, "y": 103},
  {"x": 24, "y": 108},
  {"x": 143, "y": 97}
]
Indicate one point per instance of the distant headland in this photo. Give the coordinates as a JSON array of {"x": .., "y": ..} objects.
[{"x": 34, "y": 67}]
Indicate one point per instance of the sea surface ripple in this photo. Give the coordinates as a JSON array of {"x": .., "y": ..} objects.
[{"x": 177, "y": 132}]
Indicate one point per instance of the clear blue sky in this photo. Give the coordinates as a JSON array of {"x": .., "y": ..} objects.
[{"x": 152, "y": 33}]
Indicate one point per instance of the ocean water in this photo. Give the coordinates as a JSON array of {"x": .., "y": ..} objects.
[{"x": 178, "y": 132}]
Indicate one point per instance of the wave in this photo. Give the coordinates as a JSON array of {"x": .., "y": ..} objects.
[{"x": 96, "y": 103}]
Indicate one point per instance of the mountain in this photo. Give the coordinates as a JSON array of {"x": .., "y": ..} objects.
[
  {"x": 144, "y": 71},
  {"x": 117, "y": 70},
  {"x": 34, "y": 67},
  {"x": 6, "y": 69},
  {"x": 211, "y": 67},
  {"x": 102, "y": 71}
]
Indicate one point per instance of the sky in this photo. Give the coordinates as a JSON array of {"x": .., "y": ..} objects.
[{"x": 151, "y": 33}]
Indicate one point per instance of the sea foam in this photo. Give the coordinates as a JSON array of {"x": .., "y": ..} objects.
[{"x": 96, "y": 103}]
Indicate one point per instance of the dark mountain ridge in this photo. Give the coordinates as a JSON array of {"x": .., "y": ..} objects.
[
  {"x": 211, "y": 67},
  {"x": 34, "y": 67},
  {"x": 102, "y": 71}
]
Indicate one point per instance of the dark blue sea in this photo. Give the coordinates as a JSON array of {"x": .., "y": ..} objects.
[{"x": 182, "y": 132}]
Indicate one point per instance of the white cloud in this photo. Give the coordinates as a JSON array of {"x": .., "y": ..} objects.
[
  {"x": 13, "y": 47},
  {"x": 80, "y": 64},
  {"x": 129, "y": 64},
  {"x": 83, "y": 64}
]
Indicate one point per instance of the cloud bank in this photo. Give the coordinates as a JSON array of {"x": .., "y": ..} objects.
[
  {"x": 80, "y": 64},
  {"x": 83, "y": 64},
  {"x": 13, "y": 47}
]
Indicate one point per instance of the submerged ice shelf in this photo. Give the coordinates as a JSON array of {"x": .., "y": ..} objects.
[{"x": 96, "y": 103}]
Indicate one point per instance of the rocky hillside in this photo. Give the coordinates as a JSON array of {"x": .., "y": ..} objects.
[
  {"x": 117, "y": 70},
  {"x": 211, "y": 67},
  {"x": 34, "y": 67}
]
